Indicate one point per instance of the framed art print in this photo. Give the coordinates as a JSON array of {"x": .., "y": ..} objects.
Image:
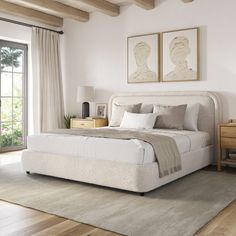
[
  {"x": 101, "y": 110},
  {"x": 180, "y": 51},
  {"x": 143, "y": 58}
]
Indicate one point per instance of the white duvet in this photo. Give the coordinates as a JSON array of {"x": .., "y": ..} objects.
[{"x": 129, "y": 151}]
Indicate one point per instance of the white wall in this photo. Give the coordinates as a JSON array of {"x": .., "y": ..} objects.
[
  {"x": 12, "y": 32},
  {"x": 95, "y": 52}
]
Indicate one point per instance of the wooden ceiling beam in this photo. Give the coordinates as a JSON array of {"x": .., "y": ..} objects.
[
  {"x": 146, "y": 4},
  {"x": 54, "y": 8},
  {"x": 16, "y": 10},
  {"x": 187, "y": 1},
  {"x": 103, "y": 6}
]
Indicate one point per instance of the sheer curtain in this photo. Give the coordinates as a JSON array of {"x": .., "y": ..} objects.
[{"x": 48, "y": 104}]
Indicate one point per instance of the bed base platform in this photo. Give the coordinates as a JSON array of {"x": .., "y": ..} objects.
[{"x": 125, "y": 176}]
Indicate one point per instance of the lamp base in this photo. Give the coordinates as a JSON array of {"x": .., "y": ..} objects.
[{"x": 85, "y": 110}]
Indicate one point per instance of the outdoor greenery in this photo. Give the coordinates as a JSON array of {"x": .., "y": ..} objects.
[
  {"x": 14, "y": 139},
  {"x": 10, "y": 57},
  {"x": 11, "y": 103}
]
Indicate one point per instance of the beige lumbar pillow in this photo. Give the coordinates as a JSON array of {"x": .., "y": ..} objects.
[
  {"x": 118, "y": 111},
  {"x": 170, "y": 117}
]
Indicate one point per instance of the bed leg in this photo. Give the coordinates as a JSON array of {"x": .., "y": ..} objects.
[
  {"x": 28, "y": 172},
  {"x": 141, "y": 194}
]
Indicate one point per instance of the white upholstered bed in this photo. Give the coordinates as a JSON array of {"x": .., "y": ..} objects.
[{"x": 127, "y": 164}]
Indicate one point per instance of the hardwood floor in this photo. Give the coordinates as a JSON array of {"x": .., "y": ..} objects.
[
  {"x": 16, "y": 220},
  {"x": 223, "y": 224}
]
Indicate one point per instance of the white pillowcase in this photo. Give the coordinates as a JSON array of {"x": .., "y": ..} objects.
[
  {"x": 138, "y": 121},
  {"x": 191, "y": 117}
]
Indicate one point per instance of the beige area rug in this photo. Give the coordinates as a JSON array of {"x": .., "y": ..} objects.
[{"x": 177, "y": 209}]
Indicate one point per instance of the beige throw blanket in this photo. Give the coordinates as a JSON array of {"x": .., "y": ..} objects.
[{"x": 165, "y": 148}]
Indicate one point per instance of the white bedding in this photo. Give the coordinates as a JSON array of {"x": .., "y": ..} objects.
[{"x": 129, "y": 151}]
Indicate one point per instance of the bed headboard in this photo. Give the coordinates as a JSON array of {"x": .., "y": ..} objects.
[{"x": 210, "y": 106}]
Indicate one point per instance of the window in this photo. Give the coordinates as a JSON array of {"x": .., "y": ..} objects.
[{"x": 13, "y": 95}]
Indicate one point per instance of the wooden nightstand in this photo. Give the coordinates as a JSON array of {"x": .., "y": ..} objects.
[
  {"x": 88, "y": 123},
  {"x": 227, "y": 141}
]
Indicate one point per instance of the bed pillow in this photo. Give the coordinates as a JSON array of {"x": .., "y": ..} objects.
[
  {"x": 118, "y": 111},
  {"x": 146, "y": 108},
  {"x": 191, "y": 117},
  {"x": 138, "y": 121},
  {"x": 170, "y": 117}
]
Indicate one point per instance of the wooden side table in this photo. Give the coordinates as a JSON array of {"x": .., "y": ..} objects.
[
  {"x": 88, "y": 123},
  {"x": 227, "y": 141}
]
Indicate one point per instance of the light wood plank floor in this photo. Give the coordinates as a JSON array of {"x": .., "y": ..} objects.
[
  {"x": 224, "y": 224},
  {"x": 16, "y": 220}
]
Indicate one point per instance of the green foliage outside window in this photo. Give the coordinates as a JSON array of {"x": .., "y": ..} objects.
[
  {"x": 10, "y": 57},
  {"x": 11, "y": 110}
]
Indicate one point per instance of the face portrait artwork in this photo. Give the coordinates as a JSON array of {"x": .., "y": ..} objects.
[
  {"x": 100, "y": 110},
  {"x": 180, "y": 58},
  {"x": 142, "y": 61}
]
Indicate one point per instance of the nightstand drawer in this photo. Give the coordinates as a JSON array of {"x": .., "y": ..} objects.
[
  {"x": 228, "y": 142},
  {"x": 229, "y": 132},
  {"x": 87, "y": 124}
]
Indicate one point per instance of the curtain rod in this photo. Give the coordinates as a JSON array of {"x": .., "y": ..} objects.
[{"x": 29, "y": 25}]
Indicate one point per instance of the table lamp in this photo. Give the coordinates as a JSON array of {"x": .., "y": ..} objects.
[{"x": 85, "y": 94}]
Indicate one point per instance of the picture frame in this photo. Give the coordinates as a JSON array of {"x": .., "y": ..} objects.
[
  {"x": 143, "y": 58},
  {"x": 101, "y": 110},
  {"x": 180, "y": 55}
]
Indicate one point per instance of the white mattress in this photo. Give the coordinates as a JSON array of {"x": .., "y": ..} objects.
[{"x": 128, "y": 151}]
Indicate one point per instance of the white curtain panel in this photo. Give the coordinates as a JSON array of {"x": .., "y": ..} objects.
[{"x": 47, "y": 81}]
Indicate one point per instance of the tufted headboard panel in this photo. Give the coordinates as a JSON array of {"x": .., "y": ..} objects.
[{"x": 210, "y": 106}]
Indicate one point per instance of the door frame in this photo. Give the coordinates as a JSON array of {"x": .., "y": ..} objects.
[{"x": 24, "y": 47}]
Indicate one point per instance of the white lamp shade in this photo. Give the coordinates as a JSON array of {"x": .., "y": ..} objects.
[{"x": 85, "y": 94}]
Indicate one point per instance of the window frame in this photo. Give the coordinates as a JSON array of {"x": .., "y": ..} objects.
[{"x": 23, "y": 47}]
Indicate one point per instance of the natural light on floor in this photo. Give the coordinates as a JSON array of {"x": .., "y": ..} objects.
[{"x": 10, "y": 157}]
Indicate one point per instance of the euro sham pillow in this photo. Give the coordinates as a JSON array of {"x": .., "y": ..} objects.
[
  {"x": 191, "y": 117},
  {"x": 138, "y": 121},
  {"x": 170, "y": 117},
  {"x": 146, "y": 108},
  {"x": 118, "y": 111}
]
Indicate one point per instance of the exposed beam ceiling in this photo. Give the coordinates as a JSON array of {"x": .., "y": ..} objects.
[
  {"x": 54, "y": 8},
  {"x": 103, "y": 6},
  {"x": 146, "y": 4},
  {"x": 30, "y": 14},
  {"x": 52, "y": 12}
]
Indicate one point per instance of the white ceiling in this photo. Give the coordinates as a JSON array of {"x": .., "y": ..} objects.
[{"x": 119, "y": 2}]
